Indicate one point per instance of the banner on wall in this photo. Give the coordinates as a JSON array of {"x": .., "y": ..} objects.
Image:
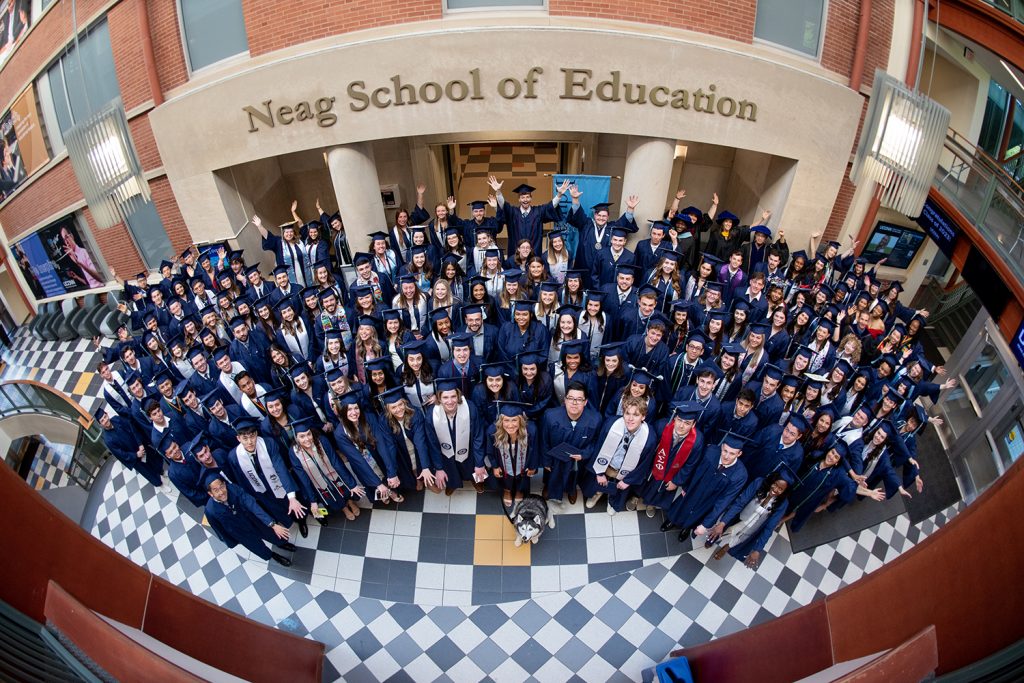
[
  {"x": 56, "y": 260},
  {"x": 595, "y": 189},
  {"x": 23, "y": 149},
  {"x": 15, "y": 17}
]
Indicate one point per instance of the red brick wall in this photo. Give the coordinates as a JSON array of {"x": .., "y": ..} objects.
[
  {"x": 123, "y": 20},
  {"x": 167, "y": 45},
  {"x": 274, "y": 24},
  {"x": 841, "y": 36},
  {"x": 727, "y": 18}
]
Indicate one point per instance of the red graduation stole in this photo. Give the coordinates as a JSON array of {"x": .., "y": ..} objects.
[{"x": 662, "y": 469}]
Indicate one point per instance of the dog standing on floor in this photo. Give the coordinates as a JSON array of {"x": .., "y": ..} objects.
[{"x": 529, "y": 517}]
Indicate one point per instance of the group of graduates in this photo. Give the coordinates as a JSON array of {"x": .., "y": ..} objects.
[{"x": 708, "y": 373}]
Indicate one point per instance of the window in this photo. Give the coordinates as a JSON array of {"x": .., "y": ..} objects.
[
  {"x": 794, "y": 24},
  {"x": 150, "y": 237},
  {"x": 491, "y": 4},
  {"x": 213, "y": 30},
  {"x": 82, "y": 80}
]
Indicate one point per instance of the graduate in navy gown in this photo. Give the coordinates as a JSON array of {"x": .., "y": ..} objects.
[
  {"x": 678, "y": 441},
  {"x": 183, "y": 472},
  {"x": 512, "y": 452},
  {"x": 751, "y": 520},
  {"x": 407, "y": 431},
  {"x": 323, "y": 478},
  {"x": 567, "y": 438},
  {"x": 623, "y": 445},
  {"x": 777, "y": 449},
  {"x": 123, "y": 442},
  {"x": 524, "y": 220},
  {"x": 455, "y": 435},
  {"x": 825, "y": 482},
  {"x": 708, "y": 484},
  {"x": 237, "y": 519}
]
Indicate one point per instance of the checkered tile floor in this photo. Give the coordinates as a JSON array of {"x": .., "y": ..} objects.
[
  {"x": 508, "y": 160},
  {"x": 49, "y": 468},
  {"x": 397, "y": 607}
]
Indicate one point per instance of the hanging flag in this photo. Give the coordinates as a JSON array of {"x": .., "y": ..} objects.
[{"x": 595, "y": 189}]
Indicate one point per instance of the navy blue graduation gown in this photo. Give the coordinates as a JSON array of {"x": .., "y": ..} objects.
[
  {"x": 528, "y": 227},
  {"x": 764, "y": 456},
  {"x": 185, "y": 477},
  {"x": 759, "y": 540},
  {"x": 332, "y": 499},
  {"x": 241, "y": 521},
  {"x": 814, "y": 488},
  {"x": 381, "y": 454},
  {"x": 276, "y": 507},
  {"x": 512, "y": 342},
  {"x": 457, "y": 471},
  {"x": 556, "y": 428},
  {"x": 513, "y": 481},
  {"x": 706, "y": 491},
  {"x": 650, "y": 489},
  {"x": 426, "y": 459}
]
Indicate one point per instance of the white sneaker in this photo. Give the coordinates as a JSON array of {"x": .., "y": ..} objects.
[
  {"x": 592, "y": 501},
  {"x": 611, "y": 510},
  {"x": 651, "y": 511}
]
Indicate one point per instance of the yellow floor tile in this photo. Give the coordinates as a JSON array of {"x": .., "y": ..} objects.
[
  {"x": 32, "y": 373},
  {"x": 515, "y": 557},
  {"x": 487, "y": 552},
  {"x": 508, "y": 532},
  {"x": 83, "y": 383},
  {"x": 489, "y": 527},
  {"x": 39, "y": 484}
]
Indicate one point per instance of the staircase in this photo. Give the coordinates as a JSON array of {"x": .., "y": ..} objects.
[
  {"x": 29, "y": 653},
  {"x": 950, "y": 313}
]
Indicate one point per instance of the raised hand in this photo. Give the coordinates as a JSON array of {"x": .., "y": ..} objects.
[
  {"x": 765, "y": 215},
  {"x": 256, "y": 220},
  {"x": 816, "y": 235},
  {"x": 681, "y": 194},
  {"x": 492, "y": 201},
  {"x": 575, "y": 192},
  {"x": 782, "y": 236},
  {"x": 421, "y": 189},
  {"x": 451, "y": 203},
  {"x": 295, "y": 205},
  {"x": 714, "y": 198},
  {"x": 319, "y": 209},
  {"x": 564, "y": 187},
  {"x": 495, "y": 183},
  {"x": 632, "y": 201}
]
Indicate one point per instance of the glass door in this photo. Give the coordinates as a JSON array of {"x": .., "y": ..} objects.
[{"x": 982, "y": 430}]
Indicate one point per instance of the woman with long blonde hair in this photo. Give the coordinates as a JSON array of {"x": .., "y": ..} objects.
[
  {"x": 511, "y": 450},
  {"x": 365, "y": 346}
]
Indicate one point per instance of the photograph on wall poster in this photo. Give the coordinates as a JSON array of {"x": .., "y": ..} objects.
[
  {"x": 15, "y": 16},
  {"x": 56, "y": 260}
]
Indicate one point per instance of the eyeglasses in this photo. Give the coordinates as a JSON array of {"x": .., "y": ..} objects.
[{"x": 569, "y": 399}]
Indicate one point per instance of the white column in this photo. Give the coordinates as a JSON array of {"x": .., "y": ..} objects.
[
  {"x": 648, "y": 173},
  {"x": 354, "y": 175}
]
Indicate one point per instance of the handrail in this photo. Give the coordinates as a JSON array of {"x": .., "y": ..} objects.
[
  {"x": 989, "y": 160},
  {"x": 29, "y": 397}
]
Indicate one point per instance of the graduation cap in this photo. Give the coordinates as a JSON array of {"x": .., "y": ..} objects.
[
  {"x": 196, "y": 351},
  {"x": 512, "y": 273},
  {"x": 183, "y": 388},
  {"x": 382, "y": 363},
  {"x": 798, "y": 421},
  {"x": 569, "y": 309},
  {"x": 572, "y": 346},
  {"x": 575, "y": 274},
  {"x": 245, "y": 424},
  {"x": 893, "y": 395},
  {"x": 524, "y": 189},
  {"x": 670, "y": 255},
  {"x": 641, "y": 376},
  {"x": 413, "y": 347},
  {"x": 360, "y": 257},
  {"x": 550, "y": 286},
  {"x": 378, "y": 236},
  {"x": 236, "y": 255},
  {"x": 763, "y": 229},
  {"x": 493, "y": 252},
  {"x": 238, "y": 321},
  {"x": 477, "y": 204},
  {"x": 711, "y": 258},
  {"x": 827, "y": 324},
  {"x": 349, "y": 398},
  {"x": 708, "y": 366},
  {"x": 627, "y": 269},
  {"x": 805, "y": 351},
  {"x": 451, "y": 231},
  {"x": 833, "y": 243},
  {"x": 472, "y": 309},
  {"x": 773, "y": 372},
  {"x": 840, "y": 447},
  {"x": 277, "y": 394},
  {"x": 692, "y": 211},
  {"x": 254, "y": 268},
  {"x": 593, "y": 295},
  {"x": 687, "y": 410},
  {"x": 359, "y": 291},
  {"x": 715, "y": 287},
  {"x": 369, "y": 321},
  {"x": 799, "y": 254},
  {"x": 733, "y": 349},
  {"x": 530, "y": 358},
  {"x": 333, "y": 375},
  {"x": 262, "y": 302},
  {"x": 727, "y": 216},
  {"x": 166, "y": 264},
  {"x": 844, "y": 366},
  {"x": 162, "y": 376},
  {"x": 460, "y": 340},
  {"x": 132, "y": 377},
  {"x": 601, "y": 206},
  {"x": 790, "y": 381},
  {"x": 661, "y": 224},
  {"x": 646, "y": 289},
  {"x": 395, "y": 314},
  {"x": 299, "y": 369},
  {"x": 523, "y": 305},
  {"x": 620, "y": 231},
  {"x": 719, "y": 314},
  {"x": 511, "y": 408},
  {"x": 734, "y": 440},
  {"x": 304, "y": 424},
  {"x": 390, "y": 396},
  {"x": 613, "y": 349},
  {"x": 283, "y": 304},
  {"x": 697, "y": 336},
  {"x": 494, "y": 370},
  {"x": 100, "y": 411},
  {"x": 447, "y": 384}
]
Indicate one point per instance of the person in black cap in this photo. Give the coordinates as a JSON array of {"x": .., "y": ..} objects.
[
  {"x": 758, "y": 511},
  {"x": 237, "y": 519},
  {"x": 595, "y": 231},
  {"x": 455, "y": 435},
  {"x": 522, "y": 333},
  {"x": 678, "y": 440},
  {"x": 479, "y": 222},
  {"x": 511, "y": 443},
  {"x": 287, "y": 249},
  {"x": 708, "y": 484},
  {"x": 325, "y": 481},
  {"x": 566, "y": 440},
  {"x": 622, "y": 447},
  {"x": 526, "y": 221},
  {"x": 407, "y": 430},
  {"x": 122, "y": 440},
  {"x": 261, "y": 471}
]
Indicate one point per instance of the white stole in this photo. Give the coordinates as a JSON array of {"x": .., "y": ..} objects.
[
  {"x": 248, "y": 468},
  {"x": 460, "y": 449},
  {"x": 611, "y": 444}
]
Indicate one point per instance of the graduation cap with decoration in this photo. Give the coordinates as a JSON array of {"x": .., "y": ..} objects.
[{"x": 643, "y": 376}]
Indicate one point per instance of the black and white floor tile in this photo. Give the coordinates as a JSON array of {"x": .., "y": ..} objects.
[{"x": 435, "y": 589}]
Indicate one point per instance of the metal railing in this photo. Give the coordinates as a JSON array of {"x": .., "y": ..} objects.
[
  {"x": 986, "y": 195},
  {"x": 21, "y": 397}
]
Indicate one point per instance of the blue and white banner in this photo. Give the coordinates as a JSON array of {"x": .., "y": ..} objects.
[{"x": 595, "y": 189}]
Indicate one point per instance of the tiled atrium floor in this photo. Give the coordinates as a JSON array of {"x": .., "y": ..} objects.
[{"x": 435, "y": 589}]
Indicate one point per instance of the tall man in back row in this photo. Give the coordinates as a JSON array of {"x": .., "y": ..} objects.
[{"x": 526, "y": 221}]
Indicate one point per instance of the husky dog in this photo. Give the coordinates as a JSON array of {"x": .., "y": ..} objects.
[{"x": 529, "y": 517}]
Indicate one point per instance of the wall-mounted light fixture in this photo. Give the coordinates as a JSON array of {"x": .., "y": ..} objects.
[
  {"x": 900, "y": 144},
  {"x": 106, "y": 165}
]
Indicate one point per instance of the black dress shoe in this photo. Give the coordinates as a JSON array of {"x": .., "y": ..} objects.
[
  {"x": 666, "y": 526},
  {"x": 303, "y": 528},
  {"x": 684, "y": 535},
  {"x": 572, "y": 497},
  {"x": 290, "y": 547},
  {"x": 322, "y": 521},
  {"x": 281, "y": 560}
]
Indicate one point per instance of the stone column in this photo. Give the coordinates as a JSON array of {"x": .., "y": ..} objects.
[
  {"x": 647, "y": 174},
  {"x": 354, "y": 175}
]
